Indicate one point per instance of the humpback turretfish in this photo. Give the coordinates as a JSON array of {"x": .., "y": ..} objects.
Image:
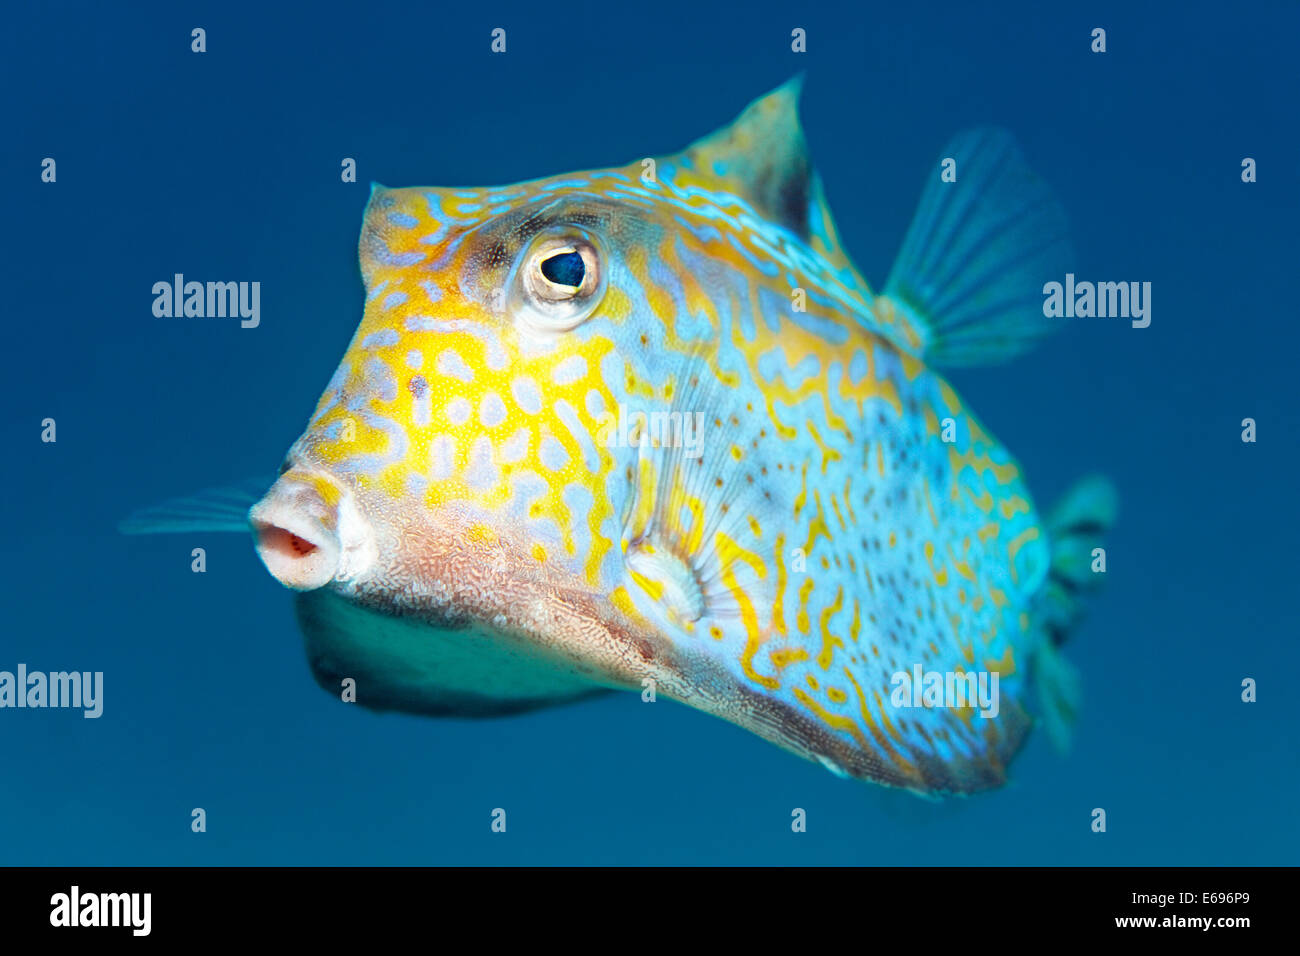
[{"x": 649, "y": 427}]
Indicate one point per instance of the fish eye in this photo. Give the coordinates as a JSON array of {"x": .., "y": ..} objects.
[
  {"x": 561, "y": 281},
  {"x": 564, "y": 268}
]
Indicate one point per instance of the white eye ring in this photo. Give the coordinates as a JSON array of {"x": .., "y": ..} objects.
[{"x": 554, "y": 306}]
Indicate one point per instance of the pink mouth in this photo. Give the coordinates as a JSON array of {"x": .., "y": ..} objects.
[{"x": 292, "y": 531}]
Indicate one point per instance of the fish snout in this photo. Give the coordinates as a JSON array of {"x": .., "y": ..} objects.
[{"x": 295, "y": 530}]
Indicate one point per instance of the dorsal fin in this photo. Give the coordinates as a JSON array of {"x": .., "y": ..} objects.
[{"x": 762, "y": 157}]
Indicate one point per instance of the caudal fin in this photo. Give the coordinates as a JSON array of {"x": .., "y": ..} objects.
[
  {"x": 970, "y": 274},
  {"x": 1076, "y": 529}
]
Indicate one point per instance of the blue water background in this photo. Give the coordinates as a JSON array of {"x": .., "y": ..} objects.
[{"x": 226, "y": 166}]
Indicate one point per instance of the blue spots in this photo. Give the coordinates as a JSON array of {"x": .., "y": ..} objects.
[
  {"x": 771, "y": 307},
  {"x": 470, "y": 207},
  {"x": 695, "y": 327},
  {"x": 432, "y": 290},
  {"x": 858, "y": 366},
  {"x": 376, "y": 291},
  {"x": 394, "y": 299},
  {"x": 397, "y": 447},
  {"x": 421, "y": 323},
  {"x": 380, "y": 379},
  {"x": 701, "y": 231},
  {"x": 772, "y": 366},
  {"x": 747, "y": 330},
  {"x": 448, "y": 250},
  {"x": 566, "y": 184},
  {"x": 764, "y": 266},
  {"x": 380, "y": 339},
  {"x": 826, "y": 329},
  {"x": 385, "y": 256},
  {"x": 402, "y": 219},
  {"x": 629, "y": 191},
  {"x": 888, "y": 364}
]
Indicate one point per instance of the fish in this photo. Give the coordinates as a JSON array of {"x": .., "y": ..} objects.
[{"x": 648, "y": 428}]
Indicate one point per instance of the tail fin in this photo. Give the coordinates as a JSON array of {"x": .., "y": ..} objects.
[
  {"x": 970, "y": 274},
  {"x": 1075, "y": 529}
]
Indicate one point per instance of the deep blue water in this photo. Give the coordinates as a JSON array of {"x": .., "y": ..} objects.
[{"x": 226, "y": 166}]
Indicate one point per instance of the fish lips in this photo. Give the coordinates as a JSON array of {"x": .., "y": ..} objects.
[{"x": 296, "y": 532}]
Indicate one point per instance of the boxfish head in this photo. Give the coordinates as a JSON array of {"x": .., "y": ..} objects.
[
  {"x": 483, "y": 450},
  {"x": 467, "y": 450}
]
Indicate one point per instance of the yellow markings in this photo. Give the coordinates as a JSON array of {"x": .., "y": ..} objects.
[
  {"x": 801, "y": 619},
  {"x": 783, "y": 657},
  {"x": 848, "y": 498},
  {"x": 650, "y": 586},
  {"x": 482, "y": 534},
  {"x": 988, "y": 531},
  {"x": 929, "y": 504},
  {"x": 960, "y": 565},
  {"x": 911, "y": 366},
  {"x": 778, "y": 609},
  {"x": 983, "y": 501},
  {"x": 829, "y": 454},
  {"x": 1004, "y": 665},
  {"x": 1012, "y": 506},
  {"x": 802, "y": 498},
  {"x": 1029, "y": 534},
  {"x": 836, "y": 695},
  {"x": 834, "y": 721},
  {"x": 616, "y": 305},
  {"x": 940, "y": 572},
  {"x": 907, "y": 769},
  {"x": 949, "y": 398},
  {"x": 812, "y": 681},
  {"x": 835, "y": 504},
  {"x": 817, "y": 527},
  {"x": 884, "y": 718},
  {"x": 729, "y": 555},
  {"x": 829, "y": 640},
  {"x": 623, "y": 601},
  {"x": 737, "y": 452},
  {"x": 634, "y": 385},
  {"x": 856, "y": 627},
  {"x": 931, "y": 421},
  {"x": 539, "y": 554}
]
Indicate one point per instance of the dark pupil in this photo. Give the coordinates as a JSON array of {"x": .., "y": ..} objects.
[{"x": 566, "y": 268}]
